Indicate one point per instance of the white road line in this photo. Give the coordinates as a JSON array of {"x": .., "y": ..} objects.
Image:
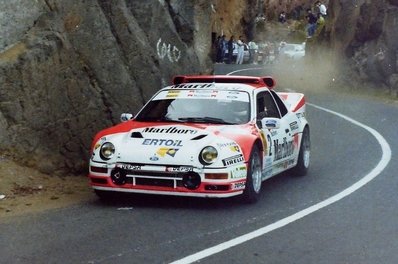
[{"x": 385, "y": 159}]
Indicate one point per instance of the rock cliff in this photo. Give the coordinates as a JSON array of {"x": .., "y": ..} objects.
[{"x": 70, "y": 68}]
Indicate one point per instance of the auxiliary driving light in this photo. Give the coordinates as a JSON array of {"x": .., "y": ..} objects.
[
  {"x": 118, "y": 176},
  {"x": 191, "y": 180}
]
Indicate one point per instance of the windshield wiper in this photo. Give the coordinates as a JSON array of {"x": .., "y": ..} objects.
[{"x": 206, "y": 119}]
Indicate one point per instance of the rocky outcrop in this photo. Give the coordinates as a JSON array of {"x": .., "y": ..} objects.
[
  {"x": 367, "y": 34},
  {"x": 74, "y": 66}
]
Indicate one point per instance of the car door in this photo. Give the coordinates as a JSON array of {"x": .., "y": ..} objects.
[
  {"x": 279, "y": 140},
  {"x": 287, "y": 152}
]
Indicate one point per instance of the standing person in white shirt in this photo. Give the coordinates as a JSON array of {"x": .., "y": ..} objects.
[
  {"x": 322, "y": 8},
  {"x": 241, "y": 50},
  {"x": 252, "y": 52}
]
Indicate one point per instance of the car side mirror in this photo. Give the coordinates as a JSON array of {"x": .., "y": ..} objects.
[
  {"x": 270, "y": 123},
  {"x": 126, "y": 117}
]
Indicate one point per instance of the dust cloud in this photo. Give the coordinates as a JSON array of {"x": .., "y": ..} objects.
[{"x": 318, "y": 71}]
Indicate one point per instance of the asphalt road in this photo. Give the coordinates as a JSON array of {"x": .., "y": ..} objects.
[{"x": 344, "y": 211}]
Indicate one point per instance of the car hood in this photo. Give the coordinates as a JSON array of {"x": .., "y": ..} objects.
[{"x": 177, "y": 144}]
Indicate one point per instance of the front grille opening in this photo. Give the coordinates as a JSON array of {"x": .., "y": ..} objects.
[
  {"x": 216, "y": 187},
  {"x": 99, "y": 180},
  {"x": 98, "y": 169},
  {"x": 154, "y": 182}
]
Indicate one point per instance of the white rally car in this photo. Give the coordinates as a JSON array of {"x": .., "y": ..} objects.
[{"x": 204, "y": 136}]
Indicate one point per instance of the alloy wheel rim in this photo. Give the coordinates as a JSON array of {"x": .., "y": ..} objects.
[{"x": 256, "y": 174}]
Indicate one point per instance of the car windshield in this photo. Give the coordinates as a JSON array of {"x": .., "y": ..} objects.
[{"x": 198, "y": 106}]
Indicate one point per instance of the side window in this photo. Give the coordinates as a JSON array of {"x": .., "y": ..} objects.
[
  {"x": 280, "y": 103},
  {"x": 266, "y": 106}
]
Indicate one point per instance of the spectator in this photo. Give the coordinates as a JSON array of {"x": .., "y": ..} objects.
[
  {"x": 321, "y": 21},
  {"x": 221, "y": 48},
  {"x": 241, "y": 50},
  {"x": 252, "y": 51},
  {"x": 321, "y": 8},
  {"x": 311, "y": 23},
  {"x": 282, "y": 17},
  {"x": 230, "y": 46}
]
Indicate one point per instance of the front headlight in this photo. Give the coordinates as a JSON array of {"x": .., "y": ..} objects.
[
  {"x": 208, "y": 155},
  {"x": 107, "y": 150}
]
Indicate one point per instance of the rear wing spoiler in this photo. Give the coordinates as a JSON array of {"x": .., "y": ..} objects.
[{"x": 295, "y": 102}]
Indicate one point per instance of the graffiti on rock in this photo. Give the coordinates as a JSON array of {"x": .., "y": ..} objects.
[{"x": 164, "y": 50}]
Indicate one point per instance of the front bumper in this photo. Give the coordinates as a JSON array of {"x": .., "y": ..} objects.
[{"x": 168, "y": 179}]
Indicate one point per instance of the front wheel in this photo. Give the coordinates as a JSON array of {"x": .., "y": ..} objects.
[
  {"x": 252, "y": 190},
  {"x": 303, "y": 162}
]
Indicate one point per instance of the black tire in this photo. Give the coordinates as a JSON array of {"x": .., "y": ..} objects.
[
  {"x": 252, "y": 190},
  {"x": 303, "y": 162}
]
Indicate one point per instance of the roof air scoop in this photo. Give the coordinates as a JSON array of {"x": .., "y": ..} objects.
[
  {"x": 269, "y": 81},
  {"x": 251, "y": 80}
]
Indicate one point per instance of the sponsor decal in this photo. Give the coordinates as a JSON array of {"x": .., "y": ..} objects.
[
  {"x": 234, "y": 148},
  {"x": 233, "y": 160},
  {"x": 162, "y": 142},
  {"x": 179, "y": 169},
  {"x": 169, "y": 130},
  {"x": 129, "y": 166},
  {"x": 229, "y": 144},
  {"x": 296, "y": 140},
  {"x": 264, "y": 141},
  {"x": 202, "y": 93},
  {"x": 270, "y": 145},
  {"x": 285, "y": 164},
  {"x": 99, "y": 143},
  {"x": 167, "y": 151},
  {"x": 239, "y": 172},
  {"x": 274, "y": 133},
  {"x": 270, "y": 123},
  {"x": 267, "y": 162},
  {"x": 154, "y": 158},
  {"x": 238, "y": 185},
  {"x": 172, "y": 94},
  {"x": 294, "y": 126},
  {"x": 283, "y": 149}
]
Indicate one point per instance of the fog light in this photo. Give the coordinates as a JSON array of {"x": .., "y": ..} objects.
[
  {"x": 191, "y": 180},
  {"x": 118, "y": 176}
]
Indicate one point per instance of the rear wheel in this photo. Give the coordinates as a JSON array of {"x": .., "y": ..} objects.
[
  {"x": 303, "y": 162},
  {"x": 252, "y": 190}
]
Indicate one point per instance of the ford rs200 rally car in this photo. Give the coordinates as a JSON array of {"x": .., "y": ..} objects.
[{"x": 204, "y": 136}]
